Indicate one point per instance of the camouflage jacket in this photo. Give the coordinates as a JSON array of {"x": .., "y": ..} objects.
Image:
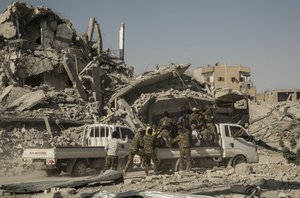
[
  {"x": 149, "y": 143},
  {"x": 209, "y": 115},
  {"x": 183, "y": 139},
  {"x": 165, "y": 123},
  {"x": 137, "y": 143},
  {"x": 194, "y": 118}
]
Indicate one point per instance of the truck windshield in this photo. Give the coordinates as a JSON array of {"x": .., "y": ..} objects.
[
  {"x": 238, "y": 132},
  {"x": 126, "y": 131}
]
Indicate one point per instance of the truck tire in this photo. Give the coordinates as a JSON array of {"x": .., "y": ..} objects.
[
  {"x": 53, "y": 172},
  {"x": 165, "y": 167},
  {"x": 238, "y": 160},
  {"x": 79, "y": 169}
]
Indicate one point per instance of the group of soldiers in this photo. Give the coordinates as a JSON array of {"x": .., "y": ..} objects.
[
  {"x": 189, "y": 130},
  {"x": 199, "y": 124},
  {"x": 194, "y": 129}
]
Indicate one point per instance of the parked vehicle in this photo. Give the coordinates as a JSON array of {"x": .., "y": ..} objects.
[
  {"x": 76, "y": 160},
  {"x": 235, "y": 146}
]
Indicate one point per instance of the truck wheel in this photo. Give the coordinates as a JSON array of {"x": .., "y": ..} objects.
[
  {"x": 238, "y": 160},
  {"x": 165, "y": 167},
  {"x": 79, "y": 169},
  {"x": 53, "y": 172}
]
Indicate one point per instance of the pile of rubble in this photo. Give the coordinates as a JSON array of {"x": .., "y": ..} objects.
[
  {"x": 41, "y": 50},
  {"x": 272, "y": 122},
  {"x": 14, "y": 139},
  {"x": 217, "y": 182},
  {"x": 12, "y": 142},
  {"x": 52, "y": 79}
]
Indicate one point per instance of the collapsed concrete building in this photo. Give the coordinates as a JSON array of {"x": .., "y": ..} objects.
[
  {"x": 52, "y": 81},
  {"x": 46, "y": 65},
  {"x": 41, "y": 53}
]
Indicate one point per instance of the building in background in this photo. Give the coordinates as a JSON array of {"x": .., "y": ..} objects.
[
  {"x": 222, "y": 75},
  {"x": 282, "y": 95}
]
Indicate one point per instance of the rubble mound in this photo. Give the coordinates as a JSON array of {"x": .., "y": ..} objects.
[
  {"x": 12, "y": 142},
  {"x": 272, "y": 122}
]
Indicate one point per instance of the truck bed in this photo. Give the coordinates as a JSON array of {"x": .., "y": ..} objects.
[
  {"x": 196, "y": 152},
  {"x": 64, "y": 152}
]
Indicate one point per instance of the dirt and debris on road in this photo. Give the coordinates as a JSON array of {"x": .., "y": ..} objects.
[{"x": 53, "y": 82}]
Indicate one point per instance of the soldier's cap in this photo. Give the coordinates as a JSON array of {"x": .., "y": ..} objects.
[{"x": 194, "y": 109}]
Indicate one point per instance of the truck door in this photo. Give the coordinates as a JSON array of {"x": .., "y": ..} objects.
[{"x": 238, "y": 142}]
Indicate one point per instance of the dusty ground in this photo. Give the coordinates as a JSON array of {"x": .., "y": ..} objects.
[{"x": 275, "y": 177}]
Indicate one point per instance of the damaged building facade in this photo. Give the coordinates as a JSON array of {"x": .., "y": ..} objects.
[
  {"x": 51, "y": 67},
  {"x": 41, "y": 53},
  {"x": 221, "y": 75},
  {"x": 52, "y": 81},
  {"x": 282, "y": 95}
]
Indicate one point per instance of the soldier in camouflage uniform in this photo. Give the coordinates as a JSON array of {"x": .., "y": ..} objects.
[
  {"x": 149, "y": 146},
  {"x": 209, "y": 132},
  {"x": 164, "y": 126},
  {"x": 207, "y": 136},
  {"x": 194, "y": 117},
  {"x": 136, "y": 147},
  {"x": 183, "y": 141}
]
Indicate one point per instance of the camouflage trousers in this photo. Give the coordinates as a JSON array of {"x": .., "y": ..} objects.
[
  {"x": 148, "y": 157},
  {"x": 165, "y": 135},
  {"x": 131, "y": 156},
  {"x": 185, "y": 153},
  {"x": 111, "y": 162}
]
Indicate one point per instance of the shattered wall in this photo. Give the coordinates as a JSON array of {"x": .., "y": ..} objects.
[
  {"x": 282, "y": 95},
  {"x": 34, "y": 40},
  {"x": 51, "y": 80}
]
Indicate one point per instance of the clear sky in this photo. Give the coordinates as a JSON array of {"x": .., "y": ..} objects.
[{"x": 261, "y": 34}]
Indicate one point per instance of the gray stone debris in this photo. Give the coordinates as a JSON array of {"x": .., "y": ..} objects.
[{"x": 53, "y": 82}]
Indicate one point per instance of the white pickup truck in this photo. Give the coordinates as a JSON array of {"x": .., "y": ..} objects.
[
  {"x": 76, "y": 160},
  {"x": 232, "y": 150}
]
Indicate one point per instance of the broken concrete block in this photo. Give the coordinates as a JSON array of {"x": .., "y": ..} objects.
[
  {"x": 8, "y": 30},
  {"x": 28, "y": 100},
  {"x": 16, "y": 93},
  {"x": 65, "y": 192},
  {"x": 69, "y": 66},
  {"x": 63, "y": 35},
  {"x": 47, "y": 35},
  {"x": 243, "y": 169},
  {"x": 5, "y": 92},
  {"x": 37, "y": 65}
]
